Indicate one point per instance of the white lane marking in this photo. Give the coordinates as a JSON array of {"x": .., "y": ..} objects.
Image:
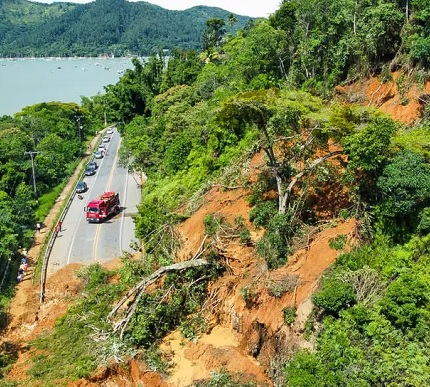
[{"x": 121, "y": 228}]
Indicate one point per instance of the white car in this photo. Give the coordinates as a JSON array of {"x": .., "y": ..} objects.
[
  {"x": 102, "y": 147},
  {"x": 109, "y": 131},
  {"x": 106, "y": 139},
  {"x": 98, "y": 155}
]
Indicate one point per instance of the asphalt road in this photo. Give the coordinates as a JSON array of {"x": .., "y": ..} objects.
[{"x": 85, "y": 243}]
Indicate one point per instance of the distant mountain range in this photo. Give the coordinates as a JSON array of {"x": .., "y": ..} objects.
[{"x": 115, "y": 27}]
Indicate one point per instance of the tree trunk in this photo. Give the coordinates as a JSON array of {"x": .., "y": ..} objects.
[{"x": 284, "y": 197}]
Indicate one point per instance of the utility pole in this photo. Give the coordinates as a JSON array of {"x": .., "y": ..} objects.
[
  {"x": 104, "y": 111},
  {"x": 32, "y": 153},
  {"x": 80, "y": 127}
]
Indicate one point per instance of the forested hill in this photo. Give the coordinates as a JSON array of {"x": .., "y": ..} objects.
[{"x": 104, "y": 26}]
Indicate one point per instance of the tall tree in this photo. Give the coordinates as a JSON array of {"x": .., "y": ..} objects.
[{"x": 289, "y": 144}]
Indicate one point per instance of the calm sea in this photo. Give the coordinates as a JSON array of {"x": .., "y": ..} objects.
[{"x": 25, "y": 82}]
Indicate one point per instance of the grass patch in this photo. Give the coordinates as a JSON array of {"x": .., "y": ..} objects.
[
  {"x": 223, "y": 378},
  {"x": 82, "y": 339},
  {"x": 338, "y": 242},
  {"x": 47, "y": 200}
]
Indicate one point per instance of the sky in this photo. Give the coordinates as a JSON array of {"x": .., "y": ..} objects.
[{"x": 253, "y": 8}]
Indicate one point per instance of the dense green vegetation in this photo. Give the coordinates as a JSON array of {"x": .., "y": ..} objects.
[
  {"x": 103, "y": 27},
  {"x": 47, "y": 137},
  {"x": 197, "y": 120}
]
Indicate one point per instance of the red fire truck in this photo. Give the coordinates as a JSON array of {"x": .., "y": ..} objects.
[{"x": 102, "y": 207}]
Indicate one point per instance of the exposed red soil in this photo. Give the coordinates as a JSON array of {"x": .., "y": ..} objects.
[
  {"x": 252, "y": 339},
  {"x": 400, "y": 97}
]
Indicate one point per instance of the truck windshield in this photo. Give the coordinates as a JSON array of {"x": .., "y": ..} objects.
[{"x": 93, "y": 210}]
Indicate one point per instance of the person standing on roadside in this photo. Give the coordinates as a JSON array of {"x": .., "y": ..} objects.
[
  {"x": 56, "y": 229},
  {"x": 60, "y": 223},
  {"x": 38, "y": 227},
  {"x": 20, "y": 275}
]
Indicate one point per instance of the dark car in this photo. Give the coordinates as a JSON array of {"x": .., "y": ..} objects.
[
  {"x": 81, "y": 187},
  {"x": 93, "y": 164},
  {"x": 90, "y": 171}
]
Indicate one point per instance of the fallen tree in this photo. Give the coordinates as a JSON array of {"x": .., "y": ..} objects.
[{"x": 135, "y": 294}]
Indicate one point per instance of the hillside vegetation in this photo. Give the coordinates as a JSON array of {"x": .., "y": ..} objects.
[
  {"x": 201, "y": 122},
  {"x": 102, "y": 27}
]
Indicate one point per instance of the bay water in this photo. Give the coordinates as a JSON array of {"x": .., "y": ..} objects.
[{"x": 25, "y": 82}]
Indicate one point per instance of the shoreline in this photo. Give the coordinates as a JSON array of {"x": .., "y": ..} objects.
[{"x": 67, "y": 57}]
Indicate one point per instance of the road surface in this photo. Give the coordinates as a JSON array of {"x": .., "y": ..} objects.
[{"x": 86, "y": 243}]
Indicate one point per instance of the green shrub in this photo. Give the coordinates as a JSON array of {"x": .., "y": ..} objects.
[
  {"x": 156, "y": 361},
  {"x": 249, "y": 295},
  {"x": 290, "y": 314},
  {"x": 386, "y": 75},
  {"x": 194, "y": 327},
  {"x": 274, "y": 245},
  {"x": 223, "y": 378},
  {"x": 244, "y": 233},
  {"x": 212, "y": 224},
  {"x": 334, "y": 296},
  {"x": 93, "y": 276},
  {"x": 265, "y": 182},
  {"x": 176, "y": 154},
  {"x": 8, "y": 356},
  {"x": 424, "y": 224},
  {"x": 46, "y": 201},
  {"x": 262, "y": 212},
  {"x": 407, "y": 301},
  {"x": 338, "y": 242},
  {"x": 167, "y": 307},
  {"x": 305, "y": 369}
]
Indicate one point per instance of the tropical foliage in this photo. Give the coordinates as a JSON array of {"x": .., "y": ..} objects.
[
  {"x": 102, "y": 27},
  {"x": 193, "y": 119},
  {"x": 41, "y": 147}
]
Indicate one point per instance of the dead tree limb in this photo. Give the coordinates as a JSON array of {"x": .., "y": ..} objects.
[{"x": 230, "y": 187}]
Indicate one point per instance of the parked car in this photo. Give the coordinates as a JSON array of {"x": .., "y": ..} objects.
[
  {"x": 102, "y": 147},
  {"x": 93, "y": 164},
  {"x": 110, "y": 130},
  {"x": 106, "y": 139},
  {"x": 98, "y": 155},
  {"x": 90, "y": 171},
  {"x": 81, "y": 187}
]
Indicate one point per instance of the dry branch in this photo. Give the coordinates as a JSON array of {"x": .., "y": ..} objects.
[{"x": 227, "y": 186}]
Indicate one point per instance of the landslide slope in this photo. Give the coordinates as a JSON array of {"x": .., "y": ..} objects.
[{"x": 247, "y": 327}]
